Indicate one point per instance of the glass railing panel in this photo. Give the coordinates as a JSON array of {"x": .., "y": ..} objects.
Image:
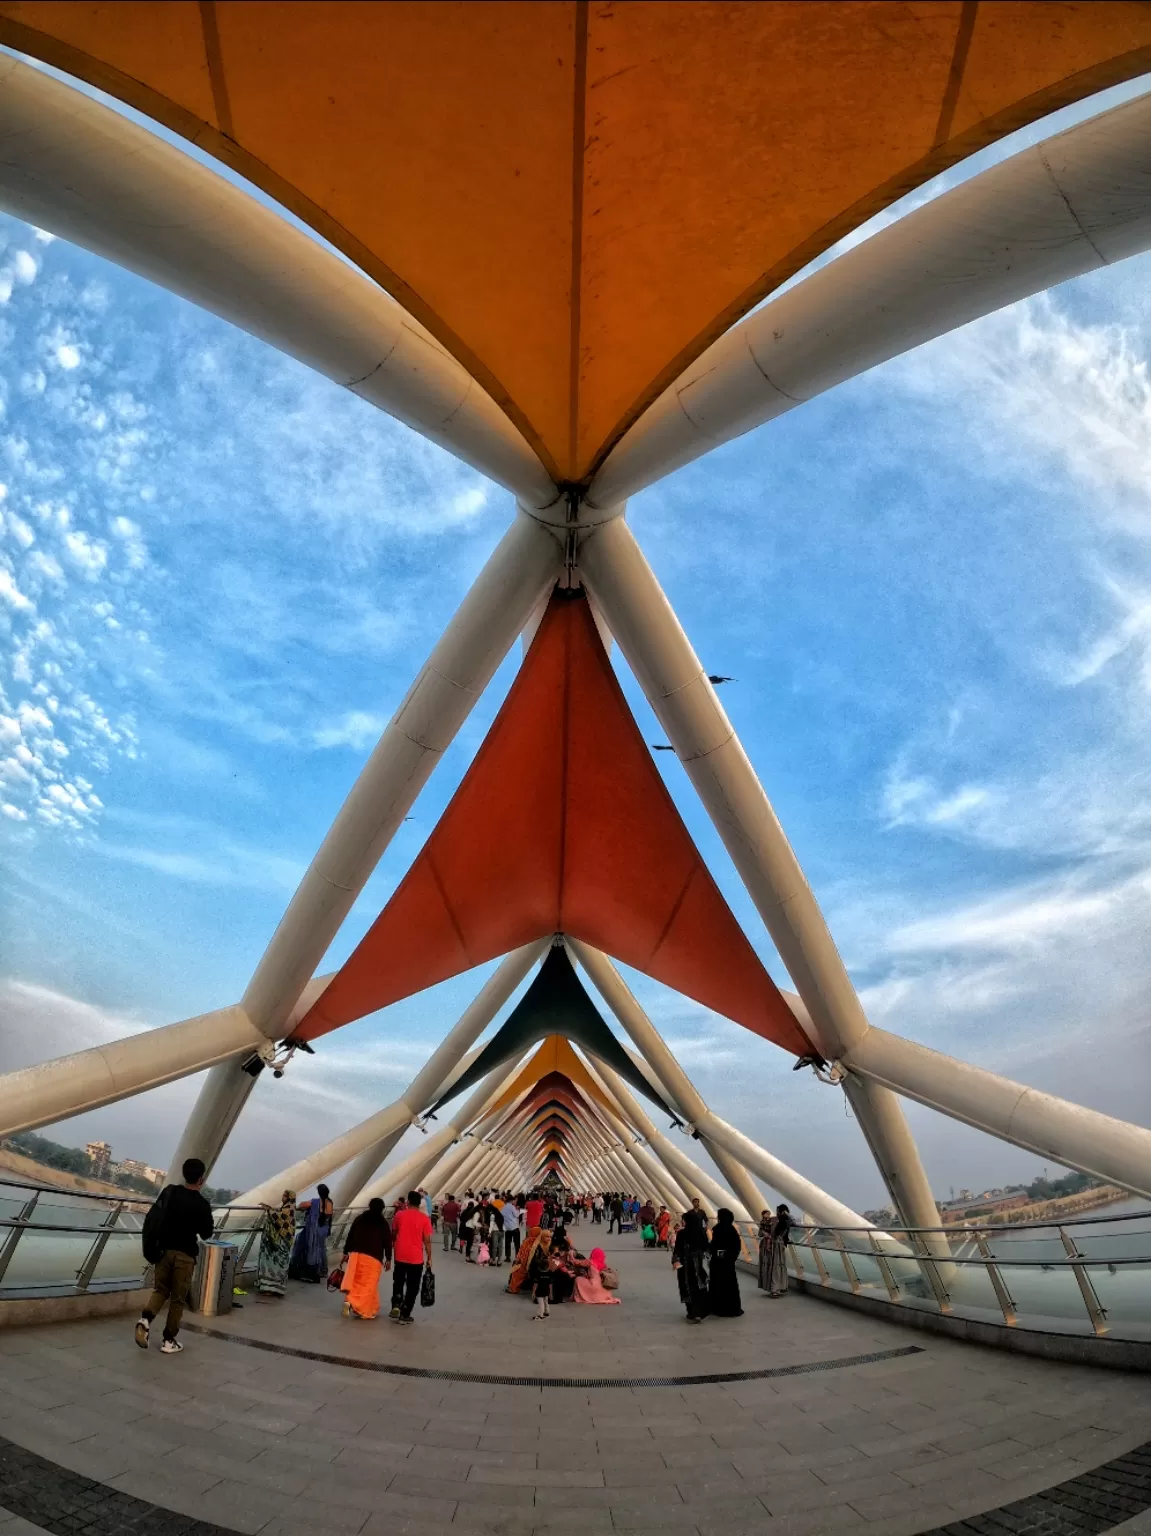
[
  {"x": 121, "y": 1259},
  {"x": 53, "y": 1211},
  {"x": 47, "y": 1260},
  {"x": 1124, "y": 1292},
  {"x": 1126, "y": 1239},
  {"x": 1046, "y": 1297}
]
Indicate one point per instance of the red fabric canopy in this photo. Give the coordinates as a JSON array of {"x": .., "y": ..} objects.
[{"x": 562, "y": 825}]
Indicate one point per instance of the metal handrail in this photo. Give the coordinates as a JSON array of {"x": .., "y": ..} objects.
[
  {"x": 125, "y": 1197},
  {"x": 959, "y": 1226},
  {"x": 816, "y": 1239}
]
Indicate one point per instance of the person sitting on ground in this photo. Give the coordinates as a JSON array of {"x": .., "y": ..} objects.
[
  {"x": 589, "y": 1286},
  {"x": 184, "y": 1216},
  {"x": 367, "y": 1255}
]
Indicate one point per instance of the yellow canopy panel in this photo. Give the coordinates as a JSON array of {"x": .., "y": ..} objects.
[{"x": 577, "y": 198}]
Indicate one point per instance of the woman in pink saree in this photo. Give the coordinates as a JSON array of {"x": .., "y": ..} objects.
[{"x": 589, "y": 1287}]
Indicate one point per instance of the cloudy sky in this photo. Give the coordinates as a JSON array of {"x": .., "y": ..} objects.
[{"x": 218, "y": 574}]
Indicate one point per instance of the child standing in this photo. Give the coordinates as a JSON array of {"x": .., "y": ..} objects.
[{"x": 540, "y": 1275}]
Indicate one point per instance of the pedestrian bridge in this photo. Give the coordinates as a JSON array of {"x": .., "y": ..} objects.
[{"x": 284, "y": 1418}]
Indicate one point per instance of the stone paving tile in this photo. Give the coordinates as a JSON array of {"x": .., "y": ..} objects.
[
  {"x": 953, "y": 1428},
  {"x": 14, "y": 1525},
  {"x": 241, "y": 1507},
  {"x": 905, "y": 1502},
  {"x": 319, "y": 1525},
  {"x": 537, "y": 1477}
]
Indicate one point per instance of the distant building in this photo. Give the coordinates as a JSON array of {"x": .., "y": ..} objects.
[
  {"x": 140, "y": 1170},
  {"x": 969, "y": 1206},
  {"x": 100, "y": 1156}
]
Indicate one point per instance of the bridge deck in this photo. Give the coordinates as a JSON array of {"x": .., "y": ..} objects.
[{"x": 286, "y": 1444}]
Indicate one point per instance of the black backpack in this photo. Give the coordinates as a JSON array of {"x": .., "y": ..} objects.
[{"x": 152, "y": 1232}]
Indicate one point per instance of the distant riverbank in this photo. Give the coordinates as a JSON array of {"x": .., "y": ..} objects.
[
  {"x": 16, "y": 1166},
  {"x": 1060, "y": 1209}
]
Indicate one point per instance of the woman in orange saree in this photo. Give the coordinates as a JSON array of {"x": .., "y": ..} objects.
[
  {"x": 367, "y": 1253},
  {"x": 518, "y": 1277}
]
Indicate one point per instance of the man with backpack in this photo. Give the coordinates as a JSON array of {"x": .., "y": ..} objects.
[{"x": 179, "y": 1216}]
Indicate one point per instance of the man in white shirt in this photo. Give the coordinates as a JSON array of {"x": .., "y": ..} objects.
[{"x": 511, "y": 1216}]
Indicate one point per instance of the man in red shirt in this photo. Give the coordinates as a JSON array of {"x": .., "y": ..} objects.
[
  {"x": 450, "y": 1221},
  {"x": 411, "y": 1250},
  {"x": 533, "y": 1211}
]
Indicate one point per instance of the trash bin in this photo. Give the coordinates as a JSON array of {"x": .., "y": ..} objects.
[{"x": 214, "y": 1277}]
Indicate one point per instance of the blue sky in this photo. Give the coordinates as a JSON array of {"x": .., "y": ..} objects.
[{"x": 218, "y": 574}]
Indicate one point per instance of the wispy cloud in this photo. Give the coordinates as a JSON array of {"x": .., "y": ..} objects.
[{"x": 186, "y": 848}]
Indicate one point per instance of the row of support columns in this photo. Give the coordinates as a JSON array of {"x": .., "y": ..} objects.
[{"x": 873, "y": 1066}]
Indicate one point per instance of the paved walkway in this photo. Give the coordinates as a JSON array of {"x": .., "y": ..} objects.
[{"x": 285, "y": 1445}]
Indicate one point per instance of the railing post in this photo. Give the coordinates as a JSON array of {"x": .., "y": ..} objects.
[
  {"x": 1095, "y": 1311},
  {"x": 848, "y": 1266},
  {"x": 241, "y": 1262},
  {"x": 889, "y": 1279},
  {"x": 88, "y": 1268},
  {"x": 797, "y": 1262},
  {"x": 824, "y": 1277},
  {"x": 929, "y": 1267},
  {"x": 18, "y": 1223},
  {"x": 1002, "y": 1295}
]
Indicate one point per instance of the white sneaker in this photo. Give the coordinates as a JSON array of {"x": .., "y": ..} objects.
[
  {"x": 143, "y": 1328},
  {"x": 171, "y": 1347}
]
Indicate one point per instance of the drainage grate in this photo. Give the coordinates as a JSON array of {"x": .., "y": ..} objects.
[{"x": 490, "y": 1379}]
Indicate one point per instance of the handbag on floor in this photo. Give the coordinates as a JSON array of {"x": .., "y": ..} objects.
[
  {"x": 609, "y": 1278},
  {"x": 428, "y": 1289}
]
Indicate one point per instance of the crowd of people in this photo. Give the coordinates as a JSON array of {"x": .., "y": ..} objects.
[
  {"x": 704, "y": 1257},
  {"x": 529, "y": 1231}
]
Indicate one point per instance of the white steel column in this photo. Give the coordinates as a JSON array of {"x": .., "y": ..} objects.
[
  {"x": 70, "y": 1085},
  {"x": 1050, "y": 1127},
  {"x": 633, "y": 1115},
  {"x": 659, "y": 653},
  {"x": 461, "y": 1173},
  {"x": 524, "y": 563},
  {"x": 413, "y": 1169},
  {"x": 432, "y": 1078},
  {"x": 438, "y": 1180},
  {"x": 384, "y": 1130},
  {"x": 678, "y": 1087},
  {"x": 687, "y": 1172}
]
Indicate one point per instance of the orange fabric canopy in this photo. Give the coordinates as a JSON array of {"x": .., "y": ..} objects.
[
  {"x": 576, "y": 198},
  {"x": 552, "y": 1055},
  {"x": 562, "y": 825}
]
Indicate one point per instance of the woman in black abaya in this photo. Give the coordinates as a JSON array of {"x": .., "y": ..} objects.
[
  {"x": 723, "y": 1283},
  {"x": 689, "y": 1260}
]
